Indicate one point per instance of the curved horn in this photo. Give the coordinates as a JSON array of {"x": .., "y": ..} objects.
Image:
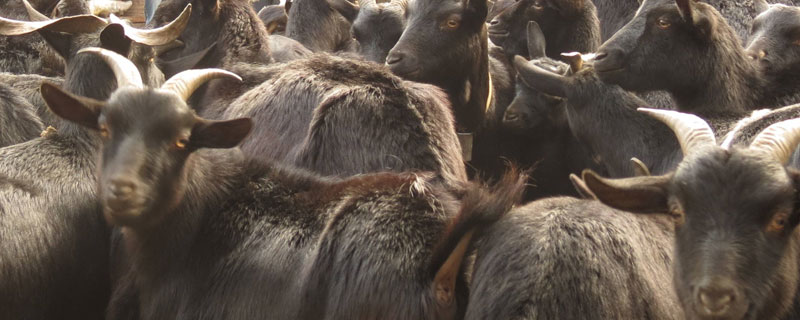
[
  {"x": 158, "y": 36},
  {"x": 72, "y": 25},
  {"x": 692, "y": 131},
  {"x": 779, "y": 140},
  {"x": 124, "y": 70},
  {"x": 185, "y": 83},
  {"x": 33, "y": 14}
]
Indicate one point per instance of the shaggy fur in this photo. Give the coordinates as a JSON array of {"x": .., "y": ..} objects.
[
  {"x": 564, "y": 258},
  {"x": 18, "y": 119},
  {"x": 343, "y": 117},
  {"x": 217, "y": 236}
]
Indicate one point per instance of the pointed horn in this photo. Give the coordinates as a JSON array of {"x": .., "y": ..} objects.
[
  {"x": 779, "y": 140},
  {"x": 574, "y": 59},
  {"x": 185, "y": 83},
  {"x": 72, "y": 25},
  {"x": 124, "y": 70},
  {"x": 158, "y": 36},
  {"x": 33, "y": 14},
  {"x": 692, "y": 131}
]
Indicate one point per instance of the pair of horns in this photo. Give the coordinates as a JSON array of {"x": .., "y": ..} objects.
[
  {"x": 182, "y": 84},
  {"x": 92, "y": 23},
  {"x": 777, "y": 141}
]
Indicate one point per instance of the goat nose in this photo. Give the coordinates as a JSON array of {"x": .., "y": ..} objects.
[
  {"x": 121, "y": 188},
  {"x": 494, "y": 22},
  {"x": 511, "y": 116},
  {"x": 394, "y": 57},
  {"x": 716, "y": 299},
  {"x": 600, "y": 56}
]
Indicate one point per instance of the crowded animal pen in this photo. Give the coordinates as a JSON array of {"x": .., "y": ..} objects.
[{"x": 400, "y": 159}]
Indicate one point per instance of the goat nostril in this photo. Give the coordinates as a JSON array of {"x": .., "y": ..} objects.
[
  {"x": 716, "y": 301},
  {"x": 394, "y": 58},
  {"x": 494, "y": 22},
  {"x": 511, "y": 116},
  {"x": 600, "y": 56},
  {"x": 121, "y": 188}
]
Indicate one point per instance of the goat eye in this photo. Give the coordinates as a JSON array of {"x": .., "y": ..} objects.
[
  {"x": 538, "y": 4},
  {"x": 181, "y": 143},
  {"x": 452, "y": 23},
  {"x": 663, "y": 23},
  {"x": 778, "y": 222}
]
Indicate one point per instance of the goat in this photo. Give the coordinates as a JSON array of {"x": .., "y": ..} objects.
[
  {"x": 537, "y": 123},
  {"x": 774, "y": 44},
  {"x": 321, "y": 25},
  {"x": 735, "y": 213},
  {"x": 377, "y": 27},
  {"x": 208, "y": 219},
  {"x": 55, "y": 246},
  {"x": 18, "y": 119},
  {"x": 336, "y": 116},
  {"x": 274, "y": 18},
  {"x": 564, "y": 258},
  {"x": 568, "y": 26},
  {"x": 642, "y": 57}
]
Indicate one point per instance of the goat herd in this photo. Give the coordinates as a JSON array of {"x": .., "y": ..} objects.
[{"x": 323, "y": 159}]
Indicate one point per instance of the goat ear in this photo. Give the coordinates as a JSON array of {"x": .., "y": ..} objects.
[
  {"x": 113, "y": 38},
  {"x": 220, "y": 134},
  {"x": 536, "y": 41},
  {"x": 173, "y": 67},
  {"x": 346, "y": 8},
  {"x": 639, "y": 194},
  {"x": 697, "y": 19},
  {"x": 539, "y": 79},
  {"x": 479, "y": 7},
  {"x": 80, "y": 110},
  {"x": 287, "y": 6},
  {"x": 60, "y": 42}
]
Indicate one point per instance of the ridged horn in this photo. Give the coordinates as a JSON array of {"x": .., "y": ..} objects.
[
  {"x": 124, "y": 70},
  {"x": 72, "y": 25},
  {"x": 158, "y": 36},
  {"x": 185, "y": 83},
  {"x": 692, "y": 131},
  {"x": 34, "y": 14},
  {"x": 779, "y": 140}
]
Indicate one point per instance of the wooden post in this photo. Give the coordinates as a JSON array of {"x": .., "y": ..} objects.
[{"x": 136, "y": 13}]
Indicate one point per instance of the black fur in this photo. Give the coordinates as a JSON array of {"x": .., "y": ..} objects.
[
  {"x": 774, "y": 43},
  {"x": 342, "y": 117},
  {"x": 319, "y": 26},
  {"x": 564, "y": 258},
  {"x": 18, "y": 119},
  {"x": 377, "y": 28}
]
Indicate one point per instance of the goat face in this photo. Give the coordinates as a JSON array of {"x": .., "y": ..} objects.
[
  {"x": 439, "y": 34},
  {"x": 774, "y": 42},
  {"x": 148, "y": 136},
  {"x": 658, "y": 48},
  {"x": 377, "y": 28},
  {"x": 735, "y": 217}
]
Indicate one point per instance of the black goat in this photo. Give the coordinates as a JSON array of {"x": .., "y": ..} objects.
[
  {"x": 568, "y": 26},
  {"x": 664, "y": 34},
  {"x": 337, "y": 116},
  {"x": 238, "y": 239},
  {"x": 18, "y": 119},
  {"x": 55, "y": 244},
  {"x": 735, "y": 214},
  {"x": 322, "y": 25},
  {"x": 774, "y": 43},
  {"x": 377, "y": 27},
  {"x": 564, "y": 258},
  {"x": 538, "y": 125}
]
